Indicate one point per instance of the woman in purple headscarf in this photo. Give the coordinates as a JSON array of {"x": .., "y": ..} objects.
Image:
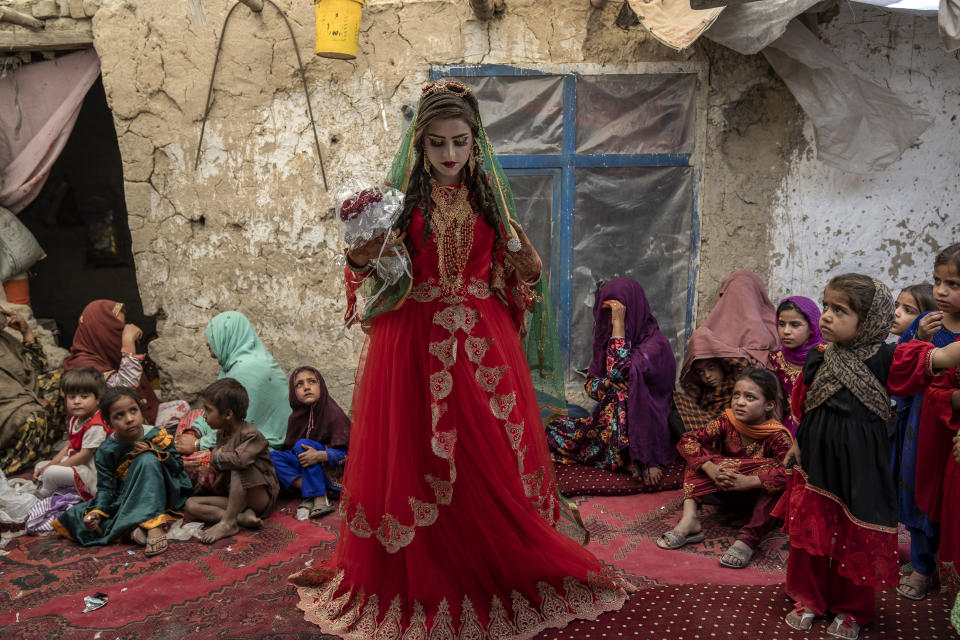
[
  {"x": 631, "y": 376},
  {"x": 798, "y": 325}
]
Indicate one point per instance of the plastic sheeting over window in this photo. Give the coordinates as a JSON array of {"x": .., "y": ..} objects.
[
  {"x": 522, "y": 115},
  {"x": 632, "y": 222},
  {"x": 533, "y": 196},
  {"x": 635, "y": 113}
]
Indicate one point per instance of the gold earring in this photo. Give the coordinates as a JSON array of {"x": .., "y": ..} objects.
[
  {"x": 426, "y": 163},
  {"x": 472, "y": 164}
]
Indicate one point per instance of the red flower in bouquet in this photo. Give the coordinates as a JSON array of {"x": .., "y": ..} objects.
[{"x": 355, "y": 204}]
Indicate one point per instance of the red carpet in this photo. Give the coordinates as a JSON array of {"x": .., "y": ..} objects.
[
  {"x": 578, "y": 480},
  {"x": 237, "y": 587}
]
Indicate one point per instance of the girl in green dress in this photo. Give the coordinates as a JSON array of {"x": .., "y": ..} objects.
[{"x": 141, "y": 485}]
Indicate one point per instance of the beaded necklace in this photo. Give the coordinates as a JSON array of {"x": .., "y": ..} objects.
[{"x": 453, "y": 222}]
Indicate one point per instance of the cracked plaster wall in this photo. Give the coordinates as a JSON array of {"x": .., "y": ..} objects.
[
  {"x": 252, "y": 227},
  {"x": 891, "y": 223}
]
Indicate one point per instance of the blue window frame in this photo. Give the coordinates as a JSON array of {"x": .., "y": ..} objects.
[{"x": 562, "y": 167}]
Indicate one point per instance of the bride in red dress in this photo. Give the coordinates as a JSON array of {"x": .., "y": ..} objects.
[{"x": 450, "y": 503}]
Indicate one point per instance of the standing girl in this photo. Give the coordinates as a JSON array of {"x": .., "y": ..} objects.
[
  {"x": 922, "y": 523},
  {"x": 912, "y": 301},
  {"x": 798, "y": 325},
  {"x": 840, "y": 506}
]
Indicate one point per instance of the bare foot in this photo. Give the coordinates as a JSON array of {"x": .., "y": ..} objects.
[
  {"x": 636, "y": 471},
  {"x": 249, "y": 519},
  {"x": 220, "y": 530},
  {"x": 652, "y": 476}
]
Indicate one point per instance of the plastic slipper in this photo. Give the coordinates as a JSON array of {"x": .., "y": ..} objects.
[
  {"x": 743, "y": 555},
  {"x": 918, "y": 583},
  {"x": 322, "y": 510},
  {"x": 843, "y": 620},
  {"x": 673, "y": 540},
  {"x": 804, "y": 620},
  {"x": 156, "y": 546}
]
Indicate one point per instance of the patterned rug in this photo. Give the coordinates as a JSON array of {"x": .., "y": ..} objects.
[
  {"x": 238, "y": 583},
  {"x": 237, "y": 587},
  {"x": 626, "y": 530},
  {"x": 748, "y": 612},
  {"x": 578, "y": 480}
]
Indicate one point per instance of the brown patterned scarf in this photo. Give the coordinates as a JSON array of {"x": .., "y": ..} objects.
[{"x": 844, "y": 365}]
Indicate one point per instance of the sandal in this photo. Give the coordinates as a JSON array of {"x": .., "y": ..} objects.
[
  {"x": 322, "y": 510},
  {"x": 155, "y": 546},
  {"x": 673, "y": 540},
  {"x": 917, "y": 583},
  {"x": 843, "y": 620},
  {"x": 800, "y": 618},
  {"x": 737, "y": 553}
]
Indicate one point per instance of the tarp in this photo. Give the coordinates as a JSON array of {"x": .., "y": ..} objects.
[
  {"x": 948, "y": 20},
  {"x": 673, "y": 22},
  {"x": 859, "y": 126},
  {"x": 748, "y": 28},
  {"x": 39, "y": 104}
]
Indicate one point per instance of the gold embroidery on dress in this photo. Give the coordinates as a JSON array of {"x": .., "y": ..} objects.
[
  {"x": 476, "y": 348},
  {"x": 445, "y": 351},
  {"x": 489, "y": 377},
  {"x": 442, "y": 627},
  {"x": 361, "y": 618},
  {"x": 453, "y": 220},
  {"x": 525, "y": 617},
  {"x": 393, "y": 535},
  {"x": 502, "y": 404}
]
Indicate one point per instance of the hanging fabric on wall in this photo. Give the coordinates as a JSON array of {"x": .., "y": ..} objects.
[
  {"x": 673, "y": 22},
  {"x": 748, "y": 28},
  {"x": 948, "y": 19},
  {"x": 858, "y": 126},
  {"x": 39, "y": 104}
]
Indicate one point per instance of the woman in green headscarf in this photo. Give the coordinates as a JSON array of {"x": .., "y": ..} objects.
[{"x": 235, "y": 344}]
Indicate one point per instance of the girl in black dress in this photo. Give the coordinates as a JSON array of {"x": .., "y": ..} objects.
[{"x": 840, "y": 507}]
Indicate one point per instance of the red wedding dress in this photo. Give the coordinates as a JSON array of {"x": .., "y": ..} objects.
[{"x": 449, "y": 502}]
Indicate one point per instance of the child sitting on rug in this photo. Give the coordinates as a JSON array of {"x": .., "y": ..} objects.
[
  {"x": 738, "y": 457},
  {"x": 73, "y": 466},
  {"x": 140, "y": 481},
  {"x": 241, "y": 459},
  {"x": 315, "y": 450}
]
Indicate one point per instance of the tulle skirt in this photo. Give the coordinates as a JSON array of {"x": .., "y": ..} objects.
[{"x": 450, "y": 504}]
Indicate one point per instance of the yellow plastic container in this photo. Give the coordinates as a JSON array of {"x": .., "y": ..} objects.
[{"x": 338, "y": 28}]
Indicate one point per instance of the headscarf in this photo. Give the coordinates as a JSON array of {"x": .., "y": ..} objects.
[
  {"x": 844, "y": 365},
  {"x": 756, "y": 431},
  {"x": 653, "y": 370},
  {"x": 323, "y": 420},
  {"x": 98, "y": 343},
  {"x": 243, "y": 357},
  {"x": 743, "y": 324},
  {"x": 810, "y": 311}
]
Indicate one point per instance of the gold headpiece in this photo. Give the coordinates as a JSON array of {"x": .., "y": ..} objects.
[{"x": 446, "y": 86}]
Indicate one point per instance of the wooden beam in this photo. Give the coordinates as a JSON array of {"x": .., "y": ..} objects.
[
  {"x": 484, "y": 9},
  {"x": 255, "y": 5},
  {"x": 15, "y": 17},
  {"x": 45, "y": 40}
]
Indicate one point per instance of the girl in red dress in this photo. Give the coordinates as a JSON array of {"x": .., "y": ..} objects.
[{"x": 450, "y": 504}]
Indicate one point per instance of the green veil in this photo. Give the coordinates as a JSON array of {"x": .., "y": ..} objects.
[{"x": 541, "y": 342}]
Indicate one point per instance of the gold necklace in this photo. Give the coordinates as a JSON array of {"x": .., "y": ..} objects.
[{"x": 453, "y": 223}]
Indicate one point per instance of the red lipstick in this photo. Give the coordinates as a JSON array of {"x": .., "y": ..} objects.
[{"x": 449, "y": 165}]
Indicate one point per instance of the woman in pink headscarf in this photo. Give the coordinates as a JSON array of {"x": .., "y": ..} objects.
[{"x": 740, "y": 331}]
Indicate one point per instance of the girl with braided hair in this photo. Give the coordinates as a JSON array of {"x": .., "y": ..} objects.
[{"x": 449, "y": 504}]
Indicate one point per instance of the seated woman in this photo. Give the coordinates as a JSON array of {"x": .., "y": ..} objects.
[
  {"x": 141, "y": 485},
  {"x": 739, "y": 457},
  {"x": 315, "y": 450},
  {"x": 740, "y": 331},
  {"x": 31, "y": 419},
  {"x": 631, "y": 377},
  {"x": 798, "y": 326},
  {"x": 107, "y": 343},
  {"x": 234, "y": 342}
]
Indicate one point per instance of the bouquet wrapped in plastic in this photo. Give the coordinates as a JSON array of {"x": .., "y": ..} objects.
[{"x": 368, "y": 213}]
